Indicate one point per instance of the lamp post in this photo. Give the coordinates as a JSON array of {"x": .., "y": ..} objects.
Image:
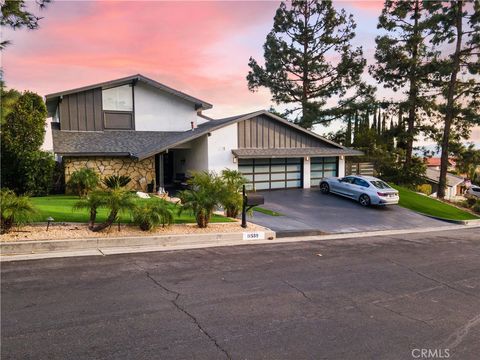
[{"x": 49, "y": 220}]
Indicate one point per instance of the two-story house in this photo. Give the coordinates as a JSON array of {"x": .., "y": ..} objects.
[{"x": 139, "y": 127}]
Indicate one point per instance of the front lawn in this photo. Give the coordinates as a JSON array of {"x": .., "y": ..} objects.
[
  {"x": 426, "y": 205},
  {"x": 60, "y": 208}
]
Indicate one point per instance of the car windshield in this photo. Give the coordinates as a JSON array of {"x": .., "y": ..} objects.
[{"x": 380, "y": 184}]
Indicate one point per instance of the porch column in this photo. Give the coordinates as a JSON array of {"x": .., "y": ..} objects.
[
  {"x": 306, "y": 172},
  {"x": 341, "y": 166}
]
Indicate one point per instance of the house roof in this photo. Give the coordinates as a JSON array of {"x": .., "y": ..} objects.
[
  {"x": 435, "y": 161},
  {"x": 452, "y": 180},
  {"x": 293, "y": 152},
  {"x": 52, "y": 99},
  {"x": 143, "y": 144}
]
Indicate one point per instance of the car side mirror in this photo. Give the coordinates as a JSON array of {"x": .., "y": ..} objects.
[{"x": 340, "y": 180}]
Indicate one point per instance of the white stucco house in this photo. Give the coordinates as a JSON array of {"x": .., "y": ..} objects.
[{"x": 155, "y": 134}]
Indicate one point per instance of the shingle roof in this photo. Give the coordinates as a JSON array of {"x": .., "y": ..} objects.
[
  {"x": 294, "y": 152},
  {"x": 142, "y": 144},
  {"x": 452, "y": 180}
]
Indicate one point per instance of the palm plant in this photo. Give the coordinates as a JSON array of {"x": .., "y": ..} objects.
[
  {"x": 92, "y": 202},
  {"x": 83, "y": 181},
  {"x": 203, "y": 196},
  {"x": 232, "y": 198},
  {"x": 116, "y": 200},
  {"x": 15, "y": 210},
  {"x": 116, "y": 181},
  {"x": 153, "y": 213}
]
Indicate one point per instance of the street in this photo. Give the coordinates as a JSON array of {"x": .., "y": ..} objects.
[{"x": 386, "y": 297}]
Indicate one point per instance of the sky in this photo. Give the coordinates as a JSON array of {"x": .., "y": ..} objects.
[{"x": 198, "y": 47}]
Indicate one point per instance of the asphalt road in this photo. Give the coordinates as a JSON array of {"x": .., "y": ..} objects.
[
  {"x": 367, "y": 298},
  {"x": 309, "y": 209}
]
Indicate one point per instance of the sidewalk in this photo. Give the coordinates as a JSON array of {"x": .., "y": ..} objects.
[{"x": 32, "y": 250}]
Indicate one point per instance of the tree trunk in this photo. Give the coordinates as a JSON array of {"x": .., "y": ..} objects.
[
  {"x": 413, "y": 92},
  {"x": 306, "y": 118},
  {"x": 449, "y": 115},
  {"x": 93, "y": 217},
  {"x": 110, "y": 220}
]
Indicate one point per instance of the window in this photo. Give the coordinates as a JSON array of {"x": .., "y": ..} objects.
[
  {"x": 119, "y": 98},
  {"x": 380, "y": 184},
  {"x": 360, "y": 182}
]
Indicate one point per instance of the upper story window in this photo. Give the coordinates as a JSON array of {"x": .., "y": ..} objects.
[{"x": 119, "y": 98}]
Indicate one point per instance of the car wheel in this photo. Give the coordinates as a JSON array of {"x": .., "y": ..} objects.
[
  {"x": 324, "y": 188},
  {"x": 364, "y": 200}
]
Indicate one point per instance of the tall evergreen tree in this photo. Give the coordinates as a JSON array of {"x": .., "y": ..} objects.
[
  {"x": 456, "y": 75},
  {"x": 402, "y": 58},
  {"x": 297, "y": 50}
]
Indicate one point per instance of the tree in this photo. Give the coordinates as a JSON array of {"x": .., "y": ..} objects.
[
  {"x": 92, "y": 203},
  {"x": 232, "y": 198},
  {"x": 25, "y": 168},
  {"x": 14, "y": 14},
  {"x": 83, "y": 181},
  {"x": 467, "y": 160},
  {"x": 456, "y": 75},
  {"x": 297, "y": 50},
  {"x": 403, "y": 58},
  {"x": 116, "y": 200}
]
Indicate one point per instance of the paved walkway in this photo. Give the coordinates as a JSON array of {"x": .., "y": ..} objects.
[{"x": 308, "y": 209}]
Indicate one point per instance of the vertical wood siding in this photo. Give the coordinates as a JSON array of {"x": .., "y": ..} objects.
[
  {"x": 82, "y": 111},
  {"x": 262, "y": 132}
]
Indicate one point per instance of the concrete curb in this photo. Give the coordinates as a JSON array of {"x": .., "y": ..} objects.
[
  {"x": 225, "y": 240},
  {"x": 451, "y": 221},
  {"x": 42, "y": 246}
]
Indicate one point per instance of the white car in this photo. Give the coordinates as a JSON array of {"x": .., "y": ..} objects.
[
  {"x": 367, "y": 190},
  {"x": 473, "y": 191}
]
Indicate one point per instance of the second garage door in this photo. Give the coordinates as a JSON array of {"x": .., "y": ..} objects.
[{"x": 269, "y": 174}]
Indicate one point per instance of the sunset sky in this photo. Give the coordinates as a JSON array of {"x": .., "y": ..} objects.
[{"x": 201, "y": 48}]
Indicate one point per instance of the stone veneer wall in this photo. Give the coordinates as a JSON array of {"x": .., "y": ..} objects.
[{"x": 142, "y": 172}]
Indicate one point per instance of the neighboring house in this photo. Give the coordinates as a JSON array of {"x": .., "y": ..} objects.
[
  {"x": 434, "y": 163},
  {"x": 455, "y": 184},
  {"x": 138, "y": 127}
]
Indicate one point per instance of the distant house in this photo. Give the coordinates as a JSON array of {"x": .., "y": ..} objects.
[
  {"x": 139, "y": 127},
  {"x": 455, "y": 184},
  {"x": 434, "y": 163}
]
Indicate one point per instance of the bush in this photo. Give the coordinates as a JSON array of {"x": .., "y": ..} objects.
[
  {"x": 231, "y": 199},
  {"x": 116, "y": 200},
  {"x": 204, "y": 195},
  {"x": 424, "y": 189},
  {"x": 15, "y": 210},
  {"x": 116, "y": 181},
  {"x": 83, "y": 181},
  {"x": 153, "y": 213},
  {"x": 476, "y": 207},
  {"x": 471, "y": 201},
  {"x": 94, "y": 201}
]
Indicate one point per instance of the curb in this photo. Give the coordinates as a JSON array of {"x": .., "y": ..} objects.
[
  {"x": 43, "y": 246},
  {"x": 451, "y": 221}
]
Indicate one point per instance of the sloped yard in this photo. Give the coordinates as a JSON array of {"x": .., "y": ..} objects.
[{"x": 428, "y": 206}]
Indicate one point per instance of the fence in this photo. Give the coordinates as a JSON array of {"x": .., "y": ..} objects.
[{"x": 363, "y": 168}]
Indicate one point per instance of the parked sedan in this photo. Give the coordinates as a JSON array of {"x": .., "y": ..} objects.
[
  {"x": 367, "y": 190},
  {"x": 473, "y": 191}
]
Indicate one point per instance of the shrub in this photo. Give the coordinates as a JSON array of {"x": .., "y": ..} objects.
[
  {"x": 83, "y": 181},
  {"x": 471, "y": 201},
  {"x": 424, "y": 189},
  {"x": 153, "y": 213},
  {"x": 476, "y": 207},
  {"x": 231, "y": 199},
  {"x": 15, "y": 210},
  {"x": 116, "y": 181},
  {"x": 116, "y": 200},
  {"x": 204, "y": 195},
  {"x": 94, "y": 201}
]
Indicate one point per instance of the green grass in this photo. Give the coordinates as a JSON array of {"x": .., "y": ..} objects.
[
  {"x": 426, "y": 205},
  {"x": 266, "y": 211},
  {"x": 60, "y": 208}
]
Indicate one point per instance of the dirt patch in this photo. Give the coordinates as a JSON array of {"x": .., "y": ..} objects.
[{"x": 79, "y": 231}]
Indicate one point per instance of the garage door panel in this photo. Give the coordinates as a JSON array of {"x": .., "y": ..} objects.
[
  {"x": 278, "y": 173},
  {"x": 322, "y": 167}
]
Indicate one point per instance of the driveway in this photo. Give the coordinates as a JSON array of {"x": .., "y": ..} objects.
[{"x": 308, "y": 209}]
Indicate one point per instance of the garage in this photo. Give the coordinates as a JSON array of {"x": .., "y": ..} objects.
[{"x": 273, "y": 173}]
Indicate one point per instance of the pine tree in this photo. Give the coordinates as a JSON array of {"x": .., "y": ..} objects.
[
  {"x": 402, "y": 58},
  {"x": 348, "y": 135},
  {"x": 457, "y": 73},
  {"x": 297, "y": 70}
]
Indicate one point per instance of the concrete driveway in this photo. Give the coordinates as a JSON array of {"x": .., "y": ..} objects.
[{"x": 310, "y": 210}]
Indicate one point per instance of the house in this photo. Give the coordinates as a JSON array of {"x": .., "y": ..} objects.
[
  {"x": 455, "y": 184},
  {"x": 139, "y": 127},
  {"x": 434, "y": 163}
]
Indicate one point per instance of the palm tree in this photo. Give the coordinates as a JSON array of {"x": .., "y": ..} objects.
[
  {"x": 205, "y": 194},
  {"x": 83, "y": 181},
  {"x": 152, "y": 213},
  {"x": 232, "y": 198},
  {"x": 15, "y": 210},
  {"x": 92, "y": 202},
  {"x": 116, "y": 200},
  {"x": 116, "y": 181}
]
